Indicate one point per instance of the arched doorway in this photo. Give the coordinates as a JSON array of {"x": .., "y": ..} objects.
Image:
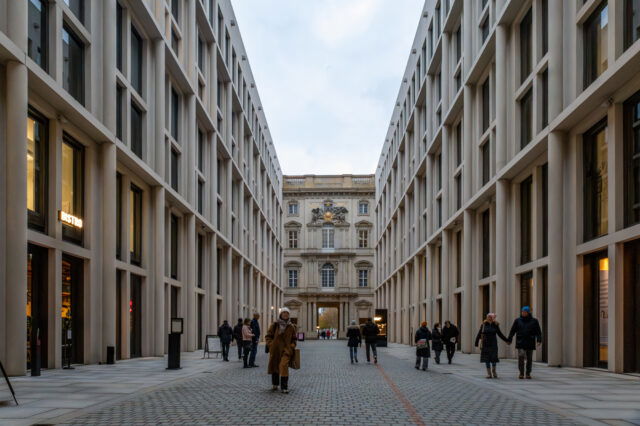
[{"x": 328, "y": 315}]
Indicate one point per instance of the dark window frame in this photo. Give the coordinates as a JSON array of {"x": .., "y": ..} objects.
[
  {"x": 526, "y": 46},
  {"x": 631, "y": 36},
  {"x": 43, "y": 40},
  {"x": 486, "y": 243},
  {"x": 175, "y": 235},
  {"x": 526, "y": 118},
  {"x": 37, "y": 219},
  {"x": 526, "y": 220},
  {"x": 69, "y": 73},
  {"x": 136, "y": 142},
  {"x": 591, "y": 46},
  {"x": 135, "y": 249},
  {"x": 591, "y": 177},
  {"x": 137, "y": 61},
  {"x": 75, "y": 235},
  {"x": 631, "y": 147}
]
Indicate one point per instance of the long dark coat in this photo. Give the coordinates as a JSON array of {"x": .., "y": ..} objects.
[
  {"x": 489, "y": 333},
  {"x": 527, "y": 331},
  {"x": 225, "y": 333},
  {"x": 354, "y": 336},
  {"x": 436, "y": 339},
  {"x": 423, "y": 333},
  {"x": 281, "y": 347}
]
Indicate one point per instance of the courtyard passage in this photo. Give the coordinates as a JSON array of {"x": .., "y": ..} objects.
[{"x": 328, "y": 390}]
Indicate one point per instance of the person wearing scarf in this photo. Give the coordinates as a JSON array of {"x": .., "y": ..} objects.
[{"x": 281, "y": 342}]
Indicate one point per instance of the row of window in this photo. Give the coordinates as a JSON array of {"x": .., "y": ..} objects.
[
  {"x": 293, "y": 208},
  {"x": 327, "y": 277},
  {"x": 328, "y": 240}
]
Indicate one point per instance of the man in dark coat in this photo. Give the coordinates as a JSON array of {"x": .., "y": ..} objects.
[
  {"x": 255, "y": 328},
  {"x": 225, "y": 333},
  {"x": 528, "y": 334},
  {"x": 450, "y": 335},
  {"x": 237, "y": 336},
  {"x": 370, "y": 333}
]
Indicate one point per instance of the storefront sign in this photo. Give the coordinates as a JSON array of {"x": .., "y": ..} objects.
[{"x": 69, "y": 219}]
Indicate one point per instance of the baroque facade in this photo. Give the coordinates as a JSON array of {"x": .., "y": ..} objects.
[
  {"x": 134, "y": 134},
  {"x": 509, "y": 177},
  {"x": 328, "y": 255}
]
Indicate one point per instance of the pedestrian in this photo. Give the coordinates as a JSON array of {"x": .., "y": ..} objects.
[
  {"x": 436, "y": 341},
  {"x": 355, "y": 339},
  {"x": 281, "y": 341},
  {"x": 528, "y": 335},
  {"x": 255, "y": 328},
  {"x": 247, "y": 341},
  {"x": 450, "y": 335},
  {"x": 225, "y": 334},
  {"x": 488, "y": 338},
  {"x": 370, "y": 333},
  {"x": 237, "y": 336},
  {"x": 423, "y": 352},
  {"x": 323, "y": 334},
  {"x": 328, "y": 334}
]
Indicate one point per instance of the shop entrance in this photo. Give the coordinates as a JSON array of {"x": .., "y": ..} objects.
[
  {"x": 631, "y": 308},
  {"x": 36, "y": 305},
  {"x": 328, "y": 322},
  {"x": 596, "y": 310},
  {"x": 72, "y": 310},
  {"x": 135, "y": 317}
]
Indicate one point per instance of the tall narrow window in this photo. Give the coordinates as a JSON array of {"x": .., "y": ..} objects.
[
  {"x": 458, "y": 184},
  {"x": 119, "y": 40},
  {"x": 486, "y": 243},
  {"x": 175, "y": 114},
  {"x": 458, "y": 37},
  {"x": 119, "y": 104},
  {"x": 328, "y": 275},
  {"x": 632, "y": 159},
  {"x": 486, "y": 162},
  {"x": 459, "y": 143},
  {"x": 484, "y": 29},
  {"x": 72, "y": 206},
  {"x": 118, "y": 216},
  {"x": 595, "y": 31},
  {"x": 200, "y": 260},
  {"x": 175, "y": 9},
  {"x": 200, "y": 196},
  {"x": 525, "y": 220},
  {"x": 363, "y": 278},
  {"x": 526, "y": 50},
  {"x": 545, "y": 98},
  {"x": 200, "y": 150},
  {"x": 175, "y": 170},
  {"x": 293, "y": 239},
  {"x": 363, "y": 238},
  {"x": 545, "y": 26},
  {"x": 37, "y": 32},
  {"x": 486, "y": 105},
  {"x": 77, "y": 7},
  {"x": 136, "y": 130},
  {"x": 201, "y": 48},
  {"x": 73, "y": 64},
  {"x": 595, "y": 179},
  {"x": 174, "y": 248},
  {"x": 293, "y": 278},
  {"x": 631, "y": 13},
  {"x": 136, "y": 60},
  {"x": 37, "y": 131},
  {"x": 526, "y": 118},
  {"x": 327, "y": 236},
  {"x": 135, "y": 225},
  {"x": 458, "y": 258},
  {"x": 545, "y": 209}
]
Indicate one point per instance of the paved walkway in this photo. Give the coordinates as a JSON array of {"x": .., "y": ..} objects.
[{"x": 327, "y": 390}]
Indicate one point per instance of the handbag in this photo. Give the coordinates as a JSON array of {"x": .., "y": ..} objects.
[
  {"x": 481, "y": 337},
  {"x": 294, "y": 362},
  {"x": 422, "y": 344}
]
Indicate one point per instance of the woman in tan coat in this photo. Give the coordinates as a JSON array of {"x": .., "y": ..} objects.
[{"x": 281, "y": 342}]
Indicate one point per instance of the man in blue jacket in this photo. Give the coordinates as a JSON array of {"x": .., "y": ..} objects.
[
  {"x": 255, "y": 328},
  {"x": 528, "y": 335}
]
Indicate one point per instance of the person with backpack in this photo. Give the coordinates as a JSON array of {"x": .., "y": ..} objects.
[
  {"x": 237, "y": 336},
  {"x": 225, "y": 334},
  {"x": 423, "y": 352},
  {"x": 370, "y": 333},
  {"x": 281, "y": 343},
  {"x": 354, "y": 340}
]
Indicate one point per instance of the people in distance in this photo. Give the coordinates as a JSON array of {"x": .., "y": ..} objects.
[
  {"x": 423, "y": 352},
  {"x": 488, "y": 339},
  {"x": 247, "y": 341},
  {"x": 237, "y": 336},
  {"x": 255, "y": 329},
  {"x": 281, "y": 341},
  {"x": 450, "y": 336},
  {"x": 225, "y": 334},
  {"x": 354, "y": 340},
  {"x": 528, "y": 335},
  {"x": 370, "y": 333},
  {"x": 436, "y": 341}
]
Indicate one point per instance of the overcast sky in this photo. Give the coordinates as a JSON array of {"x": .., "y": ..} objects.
[{"x": 328, "y": 73}]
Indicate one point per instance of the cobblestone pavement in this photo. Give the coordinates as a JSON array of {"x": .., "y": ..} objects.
[{"x": 328, "y": 390}]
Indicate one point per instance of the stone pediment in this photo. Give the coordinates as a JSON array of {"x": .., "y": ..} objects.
[
  {"x": 293, "y": 303},
  {"x": 363, "y": 303}
]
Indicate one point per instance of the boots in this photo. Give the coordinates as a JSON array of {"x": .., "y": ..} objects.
[
  {"x": 275, "y": 381},
  {"x": 284, "y": 384},
  {"x": 489, "y": 373},
  {"x": 494, "y": 372}
]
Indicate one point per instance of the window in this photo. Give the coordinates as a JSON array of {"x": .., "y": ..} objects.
[
  {"x": 327, "y": 236},
  {"x": 174, "y": 248},
  {"x": 632, "y": 159},
  {"x": 595, "y": 44},
  {"x": 200, "y": 260},
  {"x": 293, "y": 278},
  {"x": 136, "y": 130},
  {"x": 200, "y": 196},
  {"x": 118, "y": 216},
  {"x": 328, "y": 275},
  {"x": 201, "y": 54},
  {"x": 458, "y": 43},
  {"x": 486, "y": 162},
  {"x": 631, "y": 13},
  {"x": 363, "y": 208},
  {"x": 363, "y": 238},
  {"x": 363, "y": 278},
  {"x": 136, "y": 60},
  {"x": 37, "y": 44},
  {"x": 458, "y": 142},
  {"x": 175, "y": 170},
  {"x": 486, "y": 105},
  {"x": 545, "y": 98},
  {"x": 77, "y": 7},
  {"x": 525, "y": 220},
  {"x": 119, "y": 103},
  {"x": 175, "y": 42},
  {"x": 200, "y": 150},
  {"x": 293, "y": 209},
  {"x": 458, "y": 183},
  {"x": 458, "y": 258},
  {"x": 72, "y": 188},
  {"x": 293, "y": 239},
  {"x": 526, "y": 50},
  {"x": 119, "y": 29},
  {"x": 175, "y": 114},
  {"x": 484, "y": 29},
  {"x": 73, "y": 64},
  {"x": 545, "y": 210},
  {"x": 526, "y": 118},
  {"x": 595, "y": 176},
  {"x": 545, "y": 26},
  {"x": 135, "y": 225},
  {"x": 37, "y": 140},
  {"x": 438, "y": 171},
  {"x": 175, "y": 9},
  {"x": 486, "y": 243}
]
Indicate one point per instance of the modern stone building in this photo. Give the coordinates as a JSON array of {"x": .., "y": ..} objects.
[
  {"x": 509, "y": 176},
  {"x": 328, "y": 256},
  {"x": 133, "y": 133}
]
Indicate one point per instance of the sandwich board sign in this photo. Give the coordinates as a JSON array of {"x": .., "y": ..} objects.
[{"x": 212, "y": 345}]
